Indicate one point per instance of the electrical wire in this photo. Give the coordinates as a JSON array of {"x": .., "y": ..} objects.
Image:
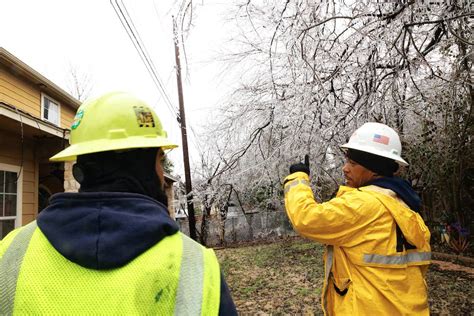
[
  {"x": 22, "y": 145},
  {"x": 22, "y": 150},
  {"x": 133, "y": 34},
  {"x": 147, "y": 54}
]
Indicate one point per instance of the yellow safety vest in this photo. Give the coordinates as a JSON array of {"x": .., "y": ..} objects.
[{"x": 176, "y": 276}]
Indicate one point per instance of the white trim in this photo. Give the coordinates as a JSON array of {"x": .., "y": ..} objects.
[
  {"x": 44, "y": 95},
  {"x": 19, "y": 190},
  {"x": 7, "y": 218}
]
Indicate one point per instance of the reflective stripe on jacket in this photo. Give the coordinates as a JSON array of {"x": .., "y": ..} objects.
[
  {"x": 176, "y": 276},
  {"x": 366, "y": 273}
]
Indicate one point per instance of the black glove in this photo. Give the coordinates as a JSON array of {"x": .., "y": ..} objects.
[{"x": 300, "y": 166}]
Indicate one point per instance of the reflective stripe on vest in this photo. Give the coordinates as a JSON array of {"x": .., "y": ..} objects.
[
  {"x": 191, "y": 279},
  {"x": 10, "y": 267},
  {"x": 294, "y": 183},
  {"x": 412, "y": 257}
]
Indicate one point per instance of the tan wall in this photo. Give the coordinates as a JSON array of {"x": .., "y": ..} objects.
[
  {"x": 16, "y": 92},
  {"x": 11, "y": 153},
  {"x": 67, "y": 116},
  {"x": 25, "y": 96}
]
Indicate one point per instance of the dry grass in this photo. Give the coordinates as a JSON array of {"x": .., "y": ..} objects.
[{"x": 286, "y": 278}]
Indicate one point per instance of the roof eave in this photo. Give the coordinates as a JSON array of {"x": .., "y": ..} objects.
[{"x": 44, "y": 84}]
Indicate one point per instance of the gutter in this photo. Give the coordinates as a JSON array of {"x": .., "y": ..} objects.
[
  {"x": 44, "y": 84},
  {"x": 23, "y": 117}
]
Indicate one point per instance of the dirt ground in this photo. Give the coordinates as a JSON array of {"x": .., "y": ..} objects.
[{"x": 286, "y": 278}]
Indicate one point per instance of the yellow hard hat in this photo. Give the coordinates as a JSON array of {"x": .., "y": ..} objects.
[{"x": 114, "y": 121}]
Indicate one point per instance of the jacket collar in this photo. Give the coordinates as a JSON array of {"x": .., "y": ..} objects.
[{"x": 104, "y": 230}]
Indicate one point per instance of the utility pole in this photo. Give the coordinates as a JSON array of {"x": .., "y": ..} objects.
[{"x": 184, "y": 137}]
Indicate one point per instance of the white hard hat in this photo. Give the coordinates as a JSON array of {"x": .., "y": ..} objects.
[{"x": 377, "y": 139}]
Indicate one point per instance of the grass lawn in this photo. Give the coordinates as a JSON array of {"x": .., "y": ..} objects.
[{"x": 286, "y": 278}]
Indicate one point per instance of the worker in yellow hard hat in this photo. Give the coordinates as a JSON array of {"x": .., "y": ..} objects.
[
  {"x": 378, "y": 247},
  {"x": 111, "y": 248}
]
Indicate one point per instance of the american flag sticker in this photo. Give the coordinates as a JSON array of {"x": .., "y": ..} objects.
[{"x": 381, "y": 139}]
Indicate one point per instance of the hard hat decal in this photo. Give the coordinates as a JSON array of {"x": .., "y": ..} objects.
[
  {"x": 77, "y": 119},
  {"x": 144, "y": 116},
  {"x": 381, "y": 139}
]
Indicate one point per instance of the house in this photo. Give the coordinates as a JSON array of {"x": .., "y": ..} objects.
[{"x": 35, "y": 116}]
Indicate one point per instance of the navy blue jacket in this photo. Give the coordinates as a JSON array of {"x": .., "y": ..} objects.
[{"x": 106, "y": 230}]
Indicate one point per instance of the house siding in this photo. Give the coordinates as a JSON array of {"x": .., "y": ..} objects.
[
  {"x": 67, "y": 116},
  {"x": 18, "y": 93},
  {"x": 26, "y": 97},
  {"x": 11, "y": 153},
  {"x": 29, "y": 149}
]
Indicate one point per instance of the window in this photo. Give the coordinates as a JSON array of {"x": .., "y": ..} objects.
[
  {"x": 49, "y": 109},
  {"x": 9, "y": 199}
]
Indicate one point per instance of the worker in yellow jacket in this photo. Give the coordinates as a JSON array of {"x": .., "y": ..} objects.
[
  {"x": 378, "y": 248},
  {"x": 111, "y": 248}
]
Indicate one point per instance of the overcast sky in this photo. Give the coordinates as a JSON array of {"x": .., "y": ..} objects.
[{"x": 52, "y": 35}]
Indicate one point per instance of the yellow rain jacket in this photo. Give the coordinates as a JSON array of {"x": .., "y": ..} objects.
[{"x": 365, "y": 272}]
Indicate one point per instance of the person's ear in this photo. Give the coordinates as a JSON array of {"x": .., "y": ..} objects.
[
  {"x": 374, "y": 175},
  {"x": 80, "y": 171}
]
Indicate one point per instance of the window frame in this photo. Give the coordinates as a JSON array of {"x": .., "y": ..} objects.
[
  {"x": 43, "y": 96},
  {"x": 19, "y": 193}
]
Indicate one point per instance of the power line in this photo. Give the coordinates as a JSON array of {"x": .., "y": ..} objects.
[
  {"x": 133, "y": 34},
  {"x": 147, "y": 54}
]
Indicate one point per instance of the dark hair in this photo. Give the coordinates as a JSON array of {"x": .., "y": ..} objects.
[
  {"x": 130, "y": 171},
  {"x": 380, "y": 165}
]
